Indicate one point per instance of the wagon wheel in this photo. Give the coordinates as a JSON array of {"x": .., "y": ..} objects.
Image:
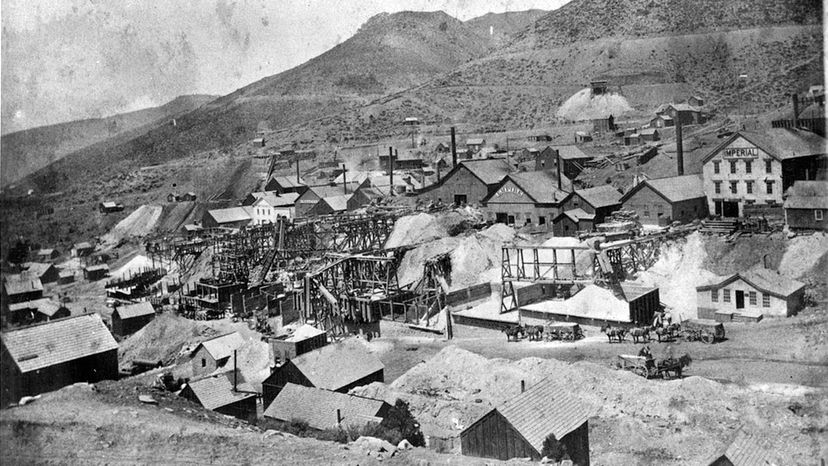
[{"x": 707, "y": 338}]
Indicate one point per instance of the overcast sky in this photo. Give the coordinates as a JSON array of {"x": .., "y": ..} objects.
[{"x": 70, "y": 59}]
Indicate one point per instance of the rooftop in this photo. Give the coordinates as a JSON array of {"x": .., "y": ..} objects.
[
  {"x": 475, "y": 141},
  {"x": 230, "y": 215},
  {"x": 807, "y": 195},
  {"x": 571, "y": 152},
  {"x": 335, "y": 366},
  {"x": 747, "y": 450},
  {"x": 318, "y": 407},
  {"x": 304, "y": 332},
  {"x": 288, "y": 181},
  {"x": 83, "y": 245},
  {"x": 36, "y": 269},
  {"x": 675, "y": 188},
  {"x": 58, "y": 341},
  {"x": 329, "y": 191},
  {"x": 275, "y": 199},
  {"x": 338, "y": 203},
  {"x": 490, "y": 171},
  {"x": 780, "y": 143},
  {"x": 600, "y": 196},
  {"x": 44, "y": 306},
  {"x": 215, "y": 391},
  {"x": 543, "y": 409},
  {"x": 135, "y": 310},
  {"x": 19, "y": 284},
  {"x": 221, "y": 347},
  {"x": 765, "y": 280},
  {"x": 577, "y": 214}
]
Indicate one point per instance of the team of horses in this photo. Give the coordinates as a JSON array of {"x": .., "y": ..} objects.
[
  {"x": 641, "y": 334},
  {"x": 515, "y": 332}
]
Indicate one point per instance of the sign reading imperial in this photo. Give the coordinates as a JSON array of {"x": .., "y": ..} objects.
[
  {"x": 741, "y": 152},
  {"x": 509, "y": 190}
]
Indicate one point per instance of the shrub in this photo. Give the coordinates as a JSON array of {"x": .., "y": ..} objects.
[{"x": 553, "y": 449}]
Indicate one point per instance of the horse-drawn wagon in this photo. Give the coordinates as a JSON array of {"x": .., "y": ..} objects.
[
  {"x": 649, "y": 368},
  {"x": 706, "y": 330},
  {"x": 562, "y": 331}
]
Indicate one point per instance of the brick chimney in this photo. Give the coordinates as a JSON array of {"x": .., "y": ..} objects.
[
  {"x": 679, "y": 148},
  {"x": 453, "y": 149}
]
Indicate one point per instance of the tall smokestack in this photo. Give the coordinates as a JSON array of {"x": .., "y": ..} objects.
[
  {"x": 344, "y": 179},
  {"x": 297, "y": 170},
  {"x": 391, "y": 170},
  {"x": 795, "y": 99},
  {"x": 679, "y": 148},
  {"x": 235, "y": 371},
  {"x": 338, "y": 416},
  {"x": 522, "y": 386},
  {"x": 453, "y": 149},
  {"x": 558, "y": 168}
]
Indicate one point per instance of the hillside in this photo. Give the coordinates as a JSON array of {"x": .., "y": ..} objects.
[
  {"x": 498, "y": 28},
  {"x": 25, "y": 152}
]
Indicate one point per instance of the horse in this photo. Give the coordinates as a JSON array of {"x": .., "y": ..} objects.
[
  {"x": 513, "y": 332},
  {"x": 642, "y": 333},
  {"x": 614, "y": 333},
  {"x": 673, "y": 329},
  {"x": 675, "y": 365},
  {"x": 534, "y": 332}
]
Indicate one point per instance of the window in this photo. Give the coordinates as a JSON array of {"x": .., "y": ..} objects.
[
  {"x": 749, "y": 187},
  {"x": 769, "y": 166},
  {"x": 734, "y": 187},
  {"x": 716, "y": 167},
  {"x": 647, "y": 210},
  {"x": 660, "y": 209},
  {"x": 203, "y": 362},
  {"x": 732, "y": 166},
  {"x": 717, "y": 186},
  {"x": 769, "y": 187},
  {"x": 460, "y": 199},
  {"x": 501, "y": 217},
  {"x": 541, "y": 220},
  {"x": 726, "y": 295},
  {"x": 752, "y": 298},
  {"x": 510, "y": 220},
  {"x": 765, "y": 300},
  {"x": 818, "y": 215},
  {"x": 714, "y": 295},
  {"x": 748, "y": 166}
]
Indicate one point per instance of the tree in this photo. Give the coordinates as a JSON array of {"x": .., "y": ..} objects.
[
  {"x": 401, "y": 420},
  {"x": 553, "y": 449}
]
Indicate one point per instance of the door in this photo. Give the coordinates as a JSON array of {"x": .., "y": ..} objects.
[
  {"x": 730, "y": 209},
  {"x": 740, "y": 299},
  {"x": 501, "y": 217},
  {"x": 460, "y": 199},
  {"x": 718, "y": 207}
]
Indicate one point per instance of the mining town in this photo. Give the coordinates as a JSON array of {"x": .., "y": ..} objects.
[{"x": 582, "y": 233}]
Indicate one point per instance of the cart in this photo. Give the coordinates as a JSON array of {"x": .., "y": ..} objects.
[
  {"x": 706, "y": 330},
  {"x": 562, "y": 331}
]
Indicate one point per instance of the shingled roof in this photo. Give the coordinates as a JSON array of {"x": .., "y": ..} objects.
[
  {"x": 600, "y": 196},
  {"x": 221, "y": 347},
  {"x": 215, "y": 391},
  {"x": 673, "y": 189},
  {"x": 335, "y": 366},
  {"x": 764, "y": 280},
  {"x": 543, "y": 409},
  {"x": 746, "y": 450},
  {"x": 58, "y": 341},
  {"x": 135, "y": 310},
  {"x": 318, "y": 407},
  {"x": 807, "y": 195},
  {"x": 490, "y": 171},
  {"x": 19, "y": 284}
]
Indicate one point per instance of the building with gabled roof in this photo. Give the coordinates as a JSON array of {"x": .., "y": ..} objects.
[
  {"x": 518, "y": 427},
  {"x": 745, "y": 450},
  {"x": 19, "y": 288},
  {"x": 475, "y": 144},
  {"x": 46, "y": 272},
  {"x": 285, "y": 184},
  {"x": 269, "y": 206},
  {"x": 46, "y": 255},
  {"x": 629, "y": 305},
  {"x": 305, "y": 338},
  {"x": 661, "y": 201},
  {"x": 38, "y": 310},
  {"x": 526, "y": 198},
  {"x": 337, "y": 368},
  {"x": 223, "y": 394},
  {"x": 330, "y": 205},
  {"x": 750, "y": 168},
  {"x": 231, "y": 217},
  {"x": 82, "y": 249},
  {"x": 215, "y": 353},
  {"x": 585, "y": 208},
  {"x": 325, "y": 409},
  {"x": 747, "y": 296},
  {"x": 130, "y": 318},
  {"x": 806, "y": 205},
  {"x": 44, "y": 357},
  {"x": 469, "y": 182},
  {"x": 313, "y": 195}
]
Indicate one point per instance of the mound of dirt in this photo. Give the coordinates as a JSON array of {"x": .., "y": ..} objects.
[
  {"x": 139, "y": 223},
  {"x": 586, "y": 106},
  {"x": 163, "y": 339},
  {"x": 415, "y": 229},
  {"x": 688, "y": 419},
  {"x": 802, "y": 255}
]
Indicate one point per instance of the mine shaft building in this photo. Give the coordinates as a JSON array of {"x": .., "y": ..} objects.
[
  {"x": 324, "y": 409},
  {"x": 519, "y": 427},
  {"x": 129, "y": 319},
  {"x": 754, "y": 169},
  {"x": 223, "y": 393},
  {"x": 338, "y": 368},
  {"x": 662, "y": 201},
  {"x": 215, "y": 353},
  {"x": 526, "y": 198},
  {"x": 747, "y": 296},
  {"x": 45, "y": 357},
  {"x": 469, "y": 182}
]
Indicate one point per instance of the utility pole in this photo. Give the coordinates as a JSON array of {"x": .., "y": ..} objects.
[{"x": 741, "y": 82}]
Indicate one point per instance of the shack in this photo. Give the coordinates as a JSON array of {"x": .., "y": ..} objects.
[
  {"x": 519, "y": 427},
  {"x": 46, "y": 255},
  {"x": 662, "y": 201},
  {"x": 46, "y": 272},
  {"x": 19, "y": 288},
  {"x": 337, "y": 368},
  {"x": 224, "y": 393},
  {"x": 324, "y": 409},
  {"x": 95, "y": 272},
  {"x": 286, "y": 184},
  {"x": 108, "y": 207},
  {"x": 747, "y": 296},
  {"x": 233, "y": 217},
  {"x": 303, "y": 339},
  {"x": 82, "y": 249},
  {"x": 585, "y": 208},
  {"x": 39, "y": 310},
  {"x": 215, "y": 353},
  {"x": 51, "y": 355},
  {"x": 806, "y": 205},
  {"x": 131, "y": 318}
]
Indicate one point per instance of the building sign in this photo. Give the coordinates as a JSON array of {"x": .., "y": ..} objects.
[
  {"x": 509, "y": 190},
  {"x": 741, "y": 152}
]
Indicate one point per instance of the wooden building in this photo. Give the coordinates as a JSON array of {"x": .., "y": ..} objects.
[
  {"x": 526, "y": 198},
  {"x": 338, "y": 368},
  {"x": 330, "y": 205},
  {"x": 95, "y": 272},
  {"x": 215, "y": 353},
  {"x": 38, "y": 310},
  {"x": 364, "y": 196},
  {"x": 662, "y": 121},
  {"x": 325, "y": 409},
  {"x": 408, "y": 161},
  {"x": 649, "y": 135},
  {"x": 751, "y": 168},
  {"x": 744, "y": 450},
  {"x": 475, "y": 144},
  {"x": 662, "y": 201},
  {"x": 269, "y": 206},
  {"x": 232, "y": 217},
  {"x": 286, "y": 184},
  {"x": 572, "y": 222},
  {"x": 108, "y": 207},
  {"x": 806, "y": 205},
  {"x": 519, "y": 427},
  {"x": 46, "y": 272},
  {"x": 539, "y": 138},
  {"x": 46, "y": 255},
  {"x": 303, "y": 339},
  {"x": 82, "y": 249},
  {"x": 585, "y": 208},
  {"x": 469, "y": 182},
  {"x": 224, "y": 393},
  {"x": 750, "y": 295},
  {"x": 572, "y": 159},
  {"x": 685, "y": 113},
  {"x": 593, "y": 305},
  {"x": 604, "y": 125},
  {"x": 44, "y": 357},
  {"x": 19, "y": 288},
  {"x": 307, "y": 200},
  {"x": 129, "y": 319}
]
